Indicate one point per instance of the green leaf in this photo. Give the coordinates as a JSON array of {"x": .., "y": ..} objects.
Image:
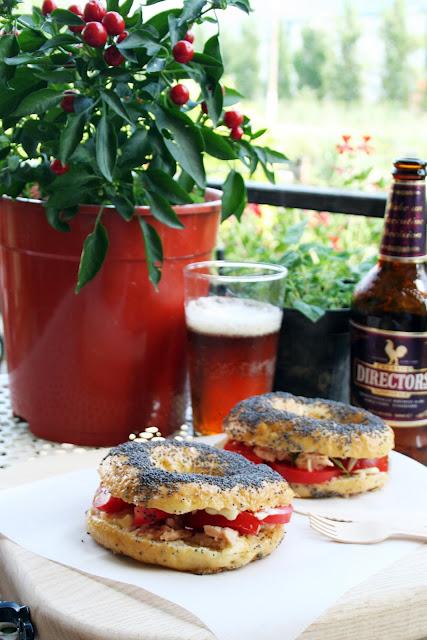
[
  {"x": 4, "y": 152},
  {"x": 153, "y": 250},
  {"x": 243, "y": 5},
  {"x": 63, "y": 16},
  {"x": 135, "y": 19},
  {"x": 214, "y": 99},
  {"x": 186, "y": 144},
  {"x": 212, "y": 66},
  {"x": 161, "y": 209},
  {"x": 212, "y": 49},
  {"x": 112, "y": 99},
  {"x": 8, "y": 48},
  {"x": 71, "y": 188},
  {"x": 191, "y": 10},
  {"x": 231, "y": 96},
  {"x": 30, "y": 40},
  {"x": 273, "y": 156},
  {"x": 217, "y": 146},
  {"x": 54, "y": 217},
  {"x": 167, "y": 187},
  {"x": 71, "y": 135},
  {"x": 55, "y": 76},
  {"x": 106, "y": 148},
  {"x": 134, "y": 150},
  {"x": 94, "y": 251},
  {"x": 185, "y": 181},
  {"x": 234, "y": 196},
  {"x": 124, "y": 206},
  {"x": 21, "y": 58},
  {"x": 125, "y": 8},
  {"x": 38, "y": 102},
  {"x": 294, "y": 233},
  {"x": 312, "y": 311},
  {"x": 82, "y": 103},
  {"x": 59, "y": 41},
  {"x": 142, "y": 38},
  {"x": 160, "y": 21},
  {"x": 176, "y": 31}
]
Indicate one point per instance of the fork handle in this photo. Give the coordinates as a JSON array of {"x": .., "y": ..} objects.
[{"x": 410, "y": 535}]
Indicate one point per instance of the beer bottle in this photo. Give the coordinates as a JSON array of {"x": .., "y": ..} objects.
[{"x": 389, "y": 317}]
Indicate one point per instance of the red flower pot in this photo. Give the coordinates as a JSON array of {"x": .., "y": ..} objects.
[{"x": 93, "y": 367}]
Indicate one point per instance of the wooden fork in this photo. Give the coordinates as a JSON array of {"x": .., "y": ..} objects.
[{"x": 364, "y": 532}]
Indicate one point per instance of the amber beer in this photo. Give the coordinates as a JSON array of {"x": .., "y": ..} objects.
[
  {"x": 232, "y": 354},
  {"x": 389, "y": 317}
]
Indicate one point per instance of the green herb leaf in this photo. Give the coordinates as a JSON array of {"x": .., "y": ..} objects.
[
  {"x": 153, "y": 250},
  {"x": 106, "y": 148},
  {"x": 94, "y": 251},
  {"x": 234, "y": 196},
  {"x": 340, "y": 465},
  {"x": 312, "y": 311},
  {"x": 71, "y": 135}
]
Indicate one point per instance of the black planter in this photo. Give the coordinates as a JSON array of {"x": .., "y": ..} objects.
[{"x": 314, "y": 357}]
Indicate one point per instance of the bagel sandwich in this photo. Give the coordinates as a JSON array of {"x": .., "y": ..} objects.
[
  {"x": 188, "y": 506},
  {"x": 321, "y": 447}
]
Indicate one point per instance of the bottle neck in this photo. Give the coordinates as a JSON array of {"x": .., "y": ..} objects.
[{"x": 404, "y": 236}]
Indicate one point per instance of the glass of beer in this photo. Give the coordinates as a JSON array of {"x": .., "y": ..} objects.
[{"x": 233, "y": 315}]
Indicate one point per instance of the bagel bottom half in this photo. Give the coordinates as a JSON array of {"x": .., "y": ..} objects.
[
  {"x": 178, "y": 554},
  {"x": 341, "y": 486}
]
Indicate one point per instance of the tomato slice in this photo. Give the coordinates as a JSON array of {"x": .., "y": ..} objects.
[
  {"x": 245, "y": 523},
  {"x": 303, "y": 476},
  {"x": 104, "y": 501},
  {"x": 277, "y": 515},
  {"x": 144, "y": 517},
  {"x": 366, "y": 463},
  {"x": 244, "y": 450}
]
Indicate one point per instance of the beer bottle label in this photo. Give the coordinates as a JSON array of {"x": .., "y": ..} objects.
[
  {"x": 389, "y": 374},
  {"x": 404, "y": 235}
]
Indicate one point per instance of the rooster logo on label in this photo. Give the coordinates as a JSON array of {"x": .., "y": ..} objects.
[{"x": 394, "y": 353}]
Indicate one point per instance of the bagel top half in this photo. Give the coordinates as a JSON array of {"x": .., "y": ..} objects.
[
  {"x": 292, "y": 424},
  {"x": 179, "y": 477}
]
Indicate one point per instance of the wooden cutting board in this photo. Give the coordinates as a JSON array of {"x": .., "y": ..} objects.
[{"x": 69, "y": 605}]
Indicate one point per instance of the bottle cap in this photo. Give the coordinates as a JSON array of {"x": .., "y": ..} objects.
[{"x": 410, "y": 167}]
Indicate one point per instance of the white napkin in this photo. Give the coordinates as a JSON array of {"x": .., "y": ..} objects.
[{"x": 275, "y": 598}]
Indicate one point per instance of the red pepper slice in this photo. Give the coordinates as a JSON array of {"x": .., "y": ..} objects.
[
  {"x": 104, "y": 501},
  {"x": 303, "y": 476},
  {"x": 244, "y": 450},
  {"x": 245, "y": 523},
  {"x": 147, "y": 517}
]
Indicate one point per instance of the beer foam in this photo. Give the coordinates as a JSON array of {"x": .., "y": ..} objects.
[{"x": 224, "y": 316}]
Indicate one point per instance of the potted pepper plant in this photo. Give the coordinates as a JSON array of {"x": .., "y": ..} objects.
[{"x": 107, "y": 115}]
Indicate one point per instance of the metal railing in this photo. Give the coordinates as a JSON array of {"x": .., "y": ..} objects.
[{"x": 359, "y": 203}]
